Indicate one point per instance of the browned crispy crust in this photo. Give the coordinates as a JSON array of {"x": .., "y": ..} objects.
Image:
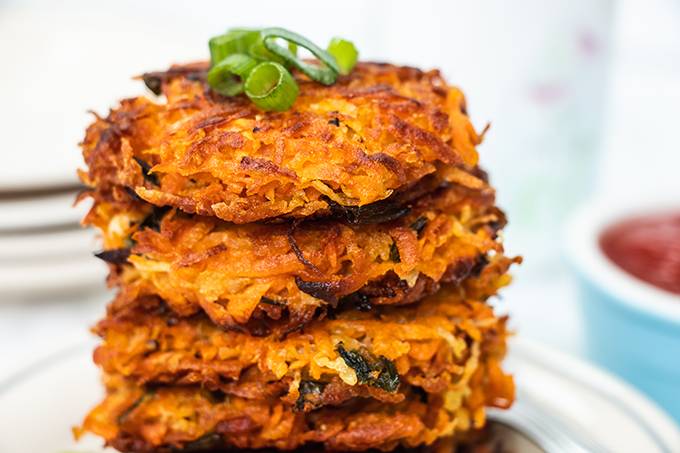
[
  {"x": 258, "y": 276},
  {"x": 430, "y": 344},
  {"x": 174, "y": 419},
  {"x": 378, "y": 130},
  {"x": 446, "y": 350},
  {"x": 315, "y": 277}
]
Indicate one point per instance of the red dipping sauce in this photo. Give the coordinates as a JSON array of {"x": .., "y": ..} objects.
[{"x": 648, "y": 248}]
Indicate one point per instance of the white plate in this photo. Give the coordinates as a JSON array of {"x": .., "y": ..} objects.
[
  {"x": 588, "y": 402},
  {"x": 27, "y": 279},
  {"x": 49, "y": 245},
  {"x": 41, "y": 211},
  {"x": 49, "y": 262},
  {"x": 39, "y": 406}
]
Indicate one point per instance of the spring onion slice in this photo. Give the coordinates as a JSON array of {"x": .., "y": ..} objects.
[
  {"x": 326, "y": 74},
  {"x": 258, "y": 50},
  {"x": 345, "y": 54},
  {"x": 271, "y": 87},
  {"x": 236, "y": 40},
  {"x": 227, "y": 76},
  {"x": 293, "y": 48}
]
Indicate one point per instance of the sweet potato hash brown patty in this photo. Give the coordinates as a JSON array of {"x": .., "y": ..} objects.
[
  {"x": 375, "y": 133},
  {"x": 240, "y": 274},
  {"x": 406, "y": 375},
  {"x": 189, "y": 419},
  {"x": 426, "y": 344},
  {"x": 311, "y": 278}
]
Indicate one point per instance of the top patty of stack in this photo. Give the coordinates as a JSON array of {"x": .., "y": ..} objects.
[{"x": 359, "y": 150}]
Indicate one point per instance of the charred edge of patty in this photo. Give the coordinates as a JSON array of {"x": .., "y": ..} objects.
[
  {"x": 114, "y": 256},
  {"x": 388, "y": 290},
  {"x": 390, "y": 285},
  {"x": 391, "y": 208},
  {"x": 155, "y": 80},
  {"x": 154, "y": 218},
  {"x": 146, "y": 171},
  {"x": 274, "y": 318}
]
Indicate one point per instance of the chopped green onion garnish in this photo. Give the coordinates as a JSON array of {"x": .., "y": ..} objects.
[
  {"x": 259, "y": 51},
  {"x": 293, "y": 48},
  {"x": 271, "y": 87},
  {"x": 237, "y": 40},
  {"x": 326, "y": 74},
  {"x": 252, "y": 61},
  {"x": 227, "y": 76},
  {"x": 345, "y": 54}
]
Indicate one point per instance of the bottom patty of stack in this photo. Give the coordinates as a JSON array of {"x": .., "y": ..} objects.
[{"x": 392, "y": 376}]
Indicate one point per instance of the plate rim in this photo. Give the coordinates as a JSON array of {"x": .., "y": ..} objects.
[{"x": 655, "y": 421}]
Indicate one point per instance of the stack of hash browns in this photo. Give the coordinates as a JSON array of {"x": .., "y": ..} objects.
[{"x": 316, "y": 277}]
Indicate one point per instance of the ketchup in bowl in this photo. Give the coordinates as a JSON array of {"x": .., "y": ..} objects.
[{"x": 648, "y": 248}]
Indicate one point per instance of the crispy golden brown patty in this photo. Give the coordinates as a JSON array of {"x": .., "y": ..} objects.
[
  {"x": 173, "y": 419},
  {"x": 403, "y": 376},
  {"x": 246, "y": 276},
  {"x": 286, "y": 272},
  {"x": 378, "y": 131},
  {"x": 430, "y": 344},
  {"x": 310, "y": 278}
]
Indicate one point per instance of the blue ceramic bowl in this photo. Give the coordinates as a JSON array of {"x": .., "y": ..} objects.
[{"x": 632, "y": 328}]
